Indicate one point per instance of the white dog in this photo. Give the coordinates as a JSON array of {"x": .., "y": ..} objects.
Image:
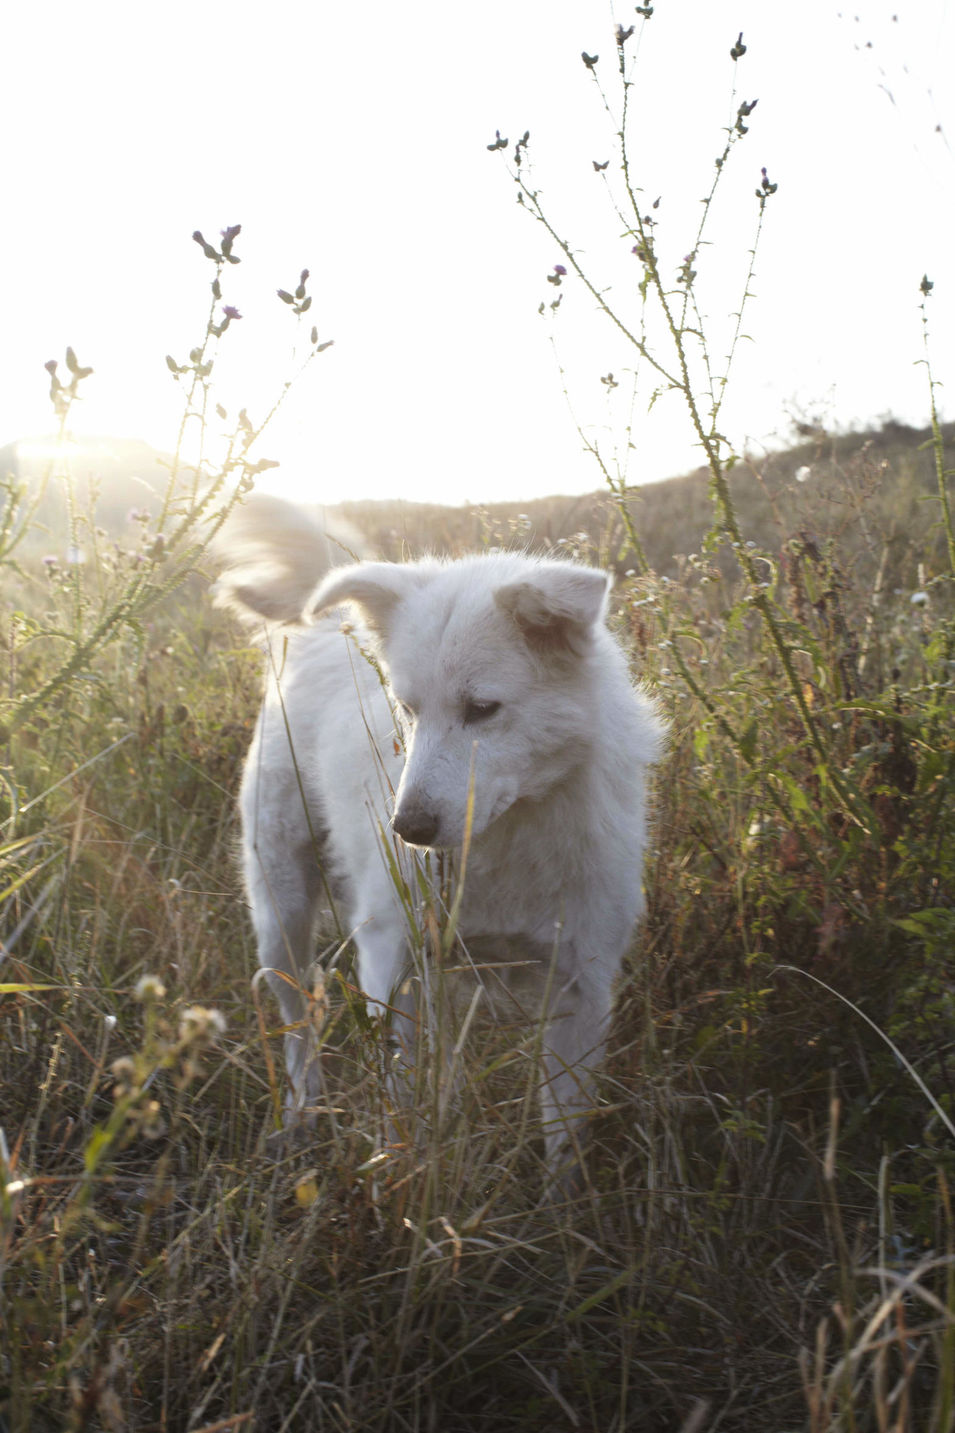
[{"x": 481, "y": 707}]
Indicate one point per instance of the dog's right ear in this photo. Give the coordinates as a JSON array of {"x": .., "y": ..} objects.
[{"x": 375, "y": 588}]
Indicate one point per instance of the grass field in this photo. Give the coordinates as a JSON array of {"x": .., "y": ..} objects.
[{"x": 765, "y": 1238}]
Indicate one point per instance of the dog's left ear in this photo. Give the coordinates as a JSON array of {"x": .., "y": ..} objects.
[{"x": 558, "y": 607}]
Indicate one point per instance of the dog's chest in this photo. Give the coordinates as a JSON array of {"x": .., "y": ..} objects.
[
  {"x": 513, "y": 973},
  {"x": 514, "y": 898}
]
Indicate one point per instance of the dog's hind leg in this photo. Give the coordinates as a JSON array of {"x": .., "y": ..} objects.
[{"x": 284, "y": 888}]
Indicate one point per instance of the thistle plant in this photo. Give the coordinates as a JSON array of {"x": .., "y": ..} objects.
[
  {"x": 813, "y": 715},
  {"x": 661, "y": 320},
  {"x": 91, "y": 604}
]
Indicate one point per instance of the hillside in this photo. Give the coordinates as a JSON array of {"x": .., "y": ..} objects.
[{"x": 864, "y": 489}]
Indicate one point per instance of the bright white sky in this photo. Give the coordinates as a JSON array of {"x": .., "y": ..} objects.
[{"x": 352, "y": 139}]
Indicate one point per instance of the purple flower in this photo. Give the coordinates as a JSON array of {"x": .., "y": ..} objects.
[
  {"x": 559, "y": 269},
  {"x": 231, "y": 311}
]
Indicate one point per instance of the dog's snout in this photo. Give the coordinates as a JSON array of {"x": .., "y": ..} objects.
[{"x": 416, "y": 825}]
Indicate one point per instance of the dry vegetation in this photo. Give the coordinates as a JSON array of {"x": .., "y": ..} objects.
[{"x": 765, "y": 1240}]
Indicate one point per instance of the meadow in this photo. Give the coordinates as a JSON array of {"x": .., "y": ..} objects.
[{"x": 764, "y": 1237}]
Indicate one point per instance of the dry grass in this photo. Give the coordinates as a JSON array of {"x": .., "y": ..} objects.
[{"x": 764, "y": 1238}]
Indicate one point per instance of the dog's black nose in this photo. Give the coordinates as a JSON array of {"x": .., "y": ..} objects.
[{"x": 416, "y": 826}]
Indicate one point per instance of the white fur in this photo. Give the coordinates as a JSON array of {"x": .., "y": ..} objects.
[{"x": 556, "y": 775}]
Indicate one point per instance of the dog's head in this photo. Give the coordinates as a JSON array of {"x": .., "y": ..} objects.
[{"x": 489, "y": 662}]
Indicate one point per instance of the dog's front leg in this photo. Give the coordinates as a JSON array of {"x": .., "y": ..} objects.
[
  {"x": 573, "y": 1045},
  {"x": 387, "y": 988}
]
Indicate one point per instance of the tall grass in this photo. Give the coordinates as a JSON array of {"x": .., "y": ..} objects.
[{"x": 764, "y": 1239}]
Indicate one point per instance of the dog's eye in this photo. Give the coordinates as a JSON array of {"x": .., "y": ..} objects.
[{"x": 479, "y": 711}]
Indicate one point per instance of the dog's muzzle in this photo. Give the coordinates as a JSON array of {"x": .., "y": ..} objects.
[{"x": 416, "y": 825}]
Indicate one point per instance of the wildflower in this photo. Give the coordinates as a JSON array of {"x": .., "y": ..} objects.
[
  {"x": 744, "y": 111},
  {"x": 589, "y": 60},
  {"x": 152, "y": 1125},
  {"x": 149, "y": 987},
  {"x": 919, "y": 599},
  {"x": 230, "y": 311},
  {"x": 766, "y": 187},
  {"x": 206, "y": 248},
  {"x": 124, "y": 1074},
  {"x": 200, "y": 1023}
]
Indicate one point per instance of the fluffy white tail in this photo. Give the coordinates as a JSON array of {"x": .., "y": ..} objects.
[{"x": 273, "y": 554}]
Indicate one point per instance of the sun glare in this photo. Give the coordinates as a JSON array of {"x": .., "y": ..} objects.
[{"x": 46, "y": 450}]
